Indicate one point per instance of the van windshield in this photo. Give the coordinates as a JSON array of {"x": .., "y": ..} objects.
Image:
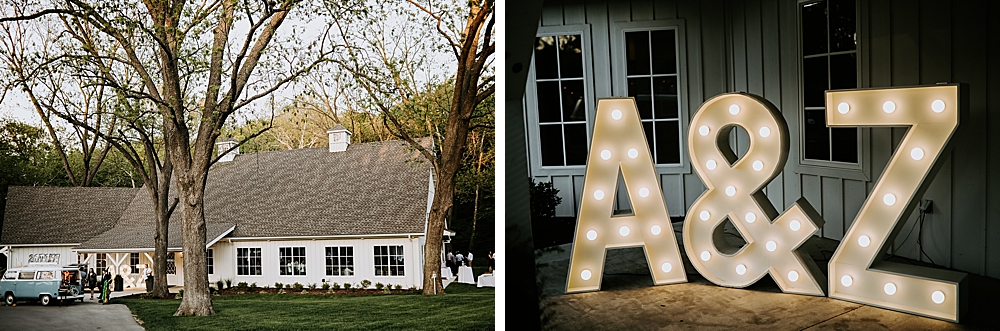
[{"x": 10, "y": 275}]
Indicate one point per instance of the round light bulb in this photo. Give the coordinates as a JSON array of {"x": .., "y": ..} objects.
[
  {"x": 703, "y": 130},
  {"x": 937, "y": 297},
  {"x": 889, "y": 288},
  {"x": 741, "y": 269},
  {"x": 666, "y": 267},
  {"x": 864, "y": 241},
  {"x": 765, "y": 131},
  {"x": 705, "y": 255},
  {"x": 889, "y": 107},
  {"x": 794, "y": 225},
  {"x": 937, "y": 106},
  {"x": 751, "y": 217},
  {"x": 734, "y": 109},
  {"x": 758, "y": 166},
  {"x": 623, "y": 231},
  {"x": 644, "y": 192},
  {"x": 704, "y": 215},
  {"x": 655, "y": 230},
  {"x": 771, "y": 246},
  {"x": 605, "y": 154},
  {"x": 846, "y": 280},
  {"x": 917, "y": 153},
  {"x": 585, "y": 274},
  {"x": 710, "y": 164},
  {"x": 730, "y": 191},
  {"x": 632, "y": 153},
  {"x": 598, "y": 194},
  {"x": 616, "y": 114},
  {"x": 889, "y": 199},
  {"x": 793, "y": 275},
  {"x": 591, "y": 234},
  {"x": 843, "y": 108}
]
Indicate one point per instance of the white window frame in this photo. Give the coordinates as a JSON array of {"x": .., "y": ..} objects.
[
  {"x": 171, "y": 260},
  {"x": 531, "y": 102},
  {"x": 326, "y": 256},
  {"x": 856, "y": 171},
  {"x": 249, "y": 264},
  {"x": 210, "y": 261},
  {"x": 375, "y": 265},
  {"x": 305, "y": 270},
  {"x": 134, "y": 264},
  {"x": 620, "y": 79}
]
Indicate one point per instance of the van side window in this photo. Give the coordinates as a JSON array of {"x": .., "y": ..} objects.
[
  {"x": 46, "y": 275},
  {"x": 10, "y": 275},
  {"x": 26, "y": 275}
]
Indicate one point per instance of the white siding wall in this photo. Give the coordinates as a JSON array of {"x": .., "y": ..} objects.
[
  {"x": 225, "y": 265},
  {"x": 19, "y": 255}
]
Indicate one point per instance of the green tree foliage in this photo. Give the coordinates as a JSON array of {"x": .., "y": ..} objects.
[{"x": 544, "y": 199}]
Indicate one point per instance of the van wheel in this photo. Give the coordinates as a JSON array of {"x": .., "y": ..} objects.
[
  {"x": 46, "y": 300},
  {"x": 9, "y": 299}
]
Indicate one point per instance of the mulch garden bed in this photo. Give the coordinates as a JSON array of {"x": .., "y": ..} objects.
[{"x": 234, "y": 290}]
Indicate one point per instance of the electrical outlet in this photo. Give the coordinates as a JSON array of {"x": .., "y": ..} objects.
[{"x": 926, "y": 206}]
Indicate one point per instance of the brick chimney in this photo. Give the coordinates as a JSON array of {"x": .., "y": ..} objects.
[{"x": 340, "y": 138}]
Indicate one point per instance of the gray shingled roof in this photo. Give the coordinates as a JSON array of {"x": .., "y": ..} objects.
[
  {"x": 372, "y": 188},
  {"x": 61, "y": 215}
]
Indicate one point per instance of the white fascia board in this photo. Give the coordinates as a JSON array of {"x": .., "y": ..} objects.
[
  {"x": 396, "y": 235},
  {"x": 40, "y": 245},
  {"x": 224, "y": 233}
]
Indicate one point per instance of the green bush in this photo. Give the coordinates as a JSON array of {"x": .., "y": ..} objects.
[
  {"x": 399, "y": 286},
  {"x": 413, "y": 288},
  {"x": 281, "y": 291},
  {"x": 218, "y": 284},
  {"x": 543, "y": 198},
  {"x": 326, "y": 286},
  {"x": 297, "y": 287},
  {"x": 379, "y": 286},
  {"x": 253, "y": 287},
  {"x": 304, "y": 291},
  {"x": 242, "y": 286},
  {"x": 365, "y": 283},
  {"x": 347, "y": 286},
  {"x": 229, "y": 283},
  {"x": 335, "y": 286},
  {"x": 277, "y": 285},
  {"x": 288, "y": 286},
  {"x": 312, "y": 286}
]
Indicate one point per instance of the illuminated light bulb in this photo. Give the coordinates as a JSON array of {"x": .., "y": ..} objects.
[
  {"x": 843, "y": 108},
  {"x": 765, "y": 131},
  {"x": 758, "y": 166},
  {"x": 616, "y": 114},
  {"x": 605, "y": 154},
  {"x": 741, "y": 269},
  {"x": 705, "y": 255},
  {"x": 710, "y": 164},
  {"x": 794, "y": 225},
  {"x": 655, "y": 230},
  {"x": 734, "y": 109},
  {"x": 917, "y": 153},
  {"x": 751, "y": 217},
  {"x": 889, "y": 107},
  {"x": 864, "y": 241},
  {"x": 704, "y": 215},
  {"x": 937, "y": 296},
  {"x": 846, "y": 280},
  {"x": 644, "y": 192},
  {"x": 598, "y": 194},
  {"x": 666, "y": 267},
  {"x": 730, "y": 191},
  {"x": 632, "y": 153},
  {"x": 937, "y": 106},
  {"x": 703, "y": 130},
  {"x": 591, "y": 234},
  {"x": 889, "y": 288},
  {"x": 585, "y": 274},
  {"x": 793, "y": 276},
  {"x": 771, "y": 246},
  {"x": 623, "y": 231},
  {"x": 889, "y": 199}
]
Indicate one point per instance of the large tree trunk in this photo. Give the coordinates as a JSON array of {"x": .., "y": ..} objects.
[
  {"x": 197, "y": 300},
  {"x": 435, "y": 225},
  {"x": 163, "y": 212}
]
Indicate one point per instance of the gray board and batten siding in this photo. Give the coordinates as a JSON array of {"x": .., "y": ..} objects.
[{"x": 753, "y": 46}]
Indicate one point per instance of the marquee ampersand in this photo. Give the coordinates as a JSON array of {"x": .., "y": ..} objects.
[
  {"x": 619, "y": 143},
  {"x": 735, "y": 192}
]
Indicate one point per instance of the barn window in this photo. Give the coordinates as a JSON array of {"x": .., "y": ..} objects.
[
  {"x": 652, "y": 79},
  {"x": 292, "y": 261},
  {"x": 133, "y": 261},
  {"x": 171, "y": 264},
  {"x": 248, "y": 261},
  {"x": 340, "y": 261},
  {"x": 389, "y": 260},
  {"x": 210, "y": 260},
  {"x": 561, "y": 99}
]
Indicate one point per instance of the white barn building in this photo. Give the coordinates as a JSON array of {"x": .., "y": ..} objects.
[{"x": 341, "y": 214}]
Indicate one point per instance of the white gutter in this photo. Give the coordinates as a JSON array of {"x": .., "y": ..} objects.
[
  {"x": 41, "y": 245},
  {"x": 328, "y": 237},
  {"x": 129, "y": 250},
  {"x": 224, "y": 233}
]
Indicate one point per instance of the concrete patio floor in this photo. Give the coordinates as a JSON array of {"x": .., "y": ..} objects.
[{"x": 629, "y": 301}]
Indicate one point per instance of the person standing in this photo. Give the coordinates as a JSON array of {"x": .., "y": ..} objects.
[
  {"x": 106, "y": 284},
  {"x": 459, "y": 259},
  {"x": 91, "y": 282},
  {"x": 468, "y": 256},
  {"x": 450, "y": 262},
  {"x": 491, "y": 262}
]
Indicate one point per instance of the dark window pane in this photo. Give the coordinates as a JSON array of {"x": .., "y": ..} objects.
[
  {"x": 844, "y": 71},
  {"x": 665, "y": 97},
  {"x": 548, "y": 102},
  {"x": 551, "y": 143},
  {"x": 638, "y": 88},
  {"x": 813, "y": 28},
  {"x": 845, "y": 144},
  {"x": 647, "y": 128},
  {"x": 817, "y": 144},
  {"x": 570, "y": 56},
  {"x": 664, "y": 52},
  {"x": 667, "y": 142},
  {"x": 545, "y": 58},
  {"x": 576, "y": 144},
  {"x": 573, "y": 108},
  {"x": 814, "y": 77},
  {"x": 637, "y": 53},
  {"x": 842, "y": 26}
]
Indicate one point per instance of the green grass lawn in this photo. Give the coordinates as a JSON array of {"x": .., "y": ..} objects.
[{"x": 465, "y": 307}]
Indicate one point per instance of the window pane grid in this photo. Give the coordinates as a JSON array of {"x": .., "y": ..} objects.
[
  {"x": 389, "y": 260},
  {"x": 559, "y": 146},
  {"x": 248, "y": 261},
  {"x": 171, "y": 264},
  {"x": 661, "y": 106},
  {"x": 210, "y": 261},
  {"x": 340, "y": 261},
  {"x": 292, "y": 261}
]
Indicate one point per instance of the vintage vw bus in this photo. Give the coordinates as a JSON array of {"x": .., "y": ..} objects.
[{"x": 44, "y": 283}]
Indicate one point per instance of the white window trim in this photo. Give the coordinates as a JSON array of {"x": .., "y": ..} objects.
[
  {"x": 236, "y": 266},
  {"x": 212, "y": 265},
  {"x": 402, "y": 253},
  {"x": 856, "y": 171},
  {"x": 304, "y": 253},
  {"x": 353, "y": 265},
  {"x": 531, "y": 102},
  {"x": 617, "y": 37}
]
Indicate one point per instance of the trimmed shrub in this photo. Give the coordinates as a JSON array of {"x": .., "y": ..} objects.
[
  {"x": 297, "y": 286},
  {"x": 326, "y": 286},
  {"x": 379, "y": 286},
  {"x": 242, "y": 286},
  {"x": 253, "y": 287},
  {"x": 288, "y": 286},
  {"x": 218, "y": 284},
  {"x": 277, "y": 285},
  {"x": 335, "y": 286},
  {"x": 281, "y": 291},
  {"x": 229, "y": 283},
  {"x": 347, "y": 286},
  {"x": 399, "y": 286},
  {"x": 312, "y": 286},
  {"x": 365, "y": 283}
]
